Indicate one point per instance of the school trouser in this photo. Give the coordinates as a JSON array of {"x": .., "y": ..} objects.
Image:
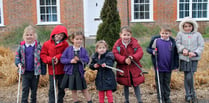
[
  {"x": 137, "y": 93},
  {"x": 29, "y": 82},
  {"x": 165, "y": 79},
  {"x": 61, "y": 91},
  {"x": 108, "y": 94},
  {"x": 189, "y": 84}
]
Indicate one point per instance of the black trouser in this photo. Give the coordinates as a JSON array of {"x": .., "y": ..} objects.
[
  {"x": 165, "y": 79},
  {"x": 29, "y": 82},
  {"x": 61, "y": 92}
]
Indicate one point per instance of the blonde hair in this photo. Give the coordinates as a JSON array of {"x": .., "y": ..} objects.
[
  {"x": 101, "y": 42},
  {"x": 30, "y": 28},
  {"x": 165, "y": 28},
  {"x": 126, "y": 28},
  {"x": 72, "y": 36}
]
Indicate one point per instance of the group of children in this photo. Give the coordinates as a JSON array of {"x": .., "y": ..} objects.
[{"x": 69, "y": 62}]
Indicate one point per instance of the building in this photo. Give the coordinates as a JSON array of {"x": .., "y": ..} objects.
[{"x": 84, "y": 14}]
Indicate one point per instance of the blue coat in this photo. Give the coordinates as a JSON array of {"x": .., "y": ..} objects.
[
  {"x": 105, "y": 79},
  {"x": 68, "y": 55}
]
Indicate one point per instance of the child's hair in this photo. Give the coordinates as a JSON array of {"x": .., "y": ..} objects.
[
  {"x": 101, "y": 42},
  {"x": 72, "y": 36},
  {"x": 30, "y": 28},
  {"x": 165, "y": 28},
  {"x": 126, "y": 28}
]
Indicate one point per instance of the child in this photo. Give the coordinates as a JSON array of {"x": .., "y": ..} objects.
[
  {"x": 190, "y": 45},
  {"x": 53, "y": 49},
  {"x": 74, "y": 58},
  {"x": 105, "y": 80},
  {"x": 28, "y": 59},
  {"x": 125, "y": 50},
  {"x": 167, "y": 60}
]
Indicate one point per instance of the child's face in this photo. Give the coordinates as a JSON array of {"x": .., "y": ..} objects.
[
  {"x": 187, "y": 27},
  {"x": 58, "y": 37},
  {"x": 125, "y": 36},
  {"x": 77, "y": 40},
  {"x": 101, "y": 49},
  {"x": 165, "y": 34},
  {"x": 29, "y": 37}
]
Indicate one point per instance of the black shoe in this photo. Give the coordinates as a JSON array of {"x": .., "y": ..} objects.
[
  {"x": 188, "y": 99},
  {"x": 90, "y": 101}
]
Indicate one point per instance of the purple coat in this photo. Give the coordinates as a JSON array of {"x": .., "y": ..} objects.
[{"x": 68, "y": 55}]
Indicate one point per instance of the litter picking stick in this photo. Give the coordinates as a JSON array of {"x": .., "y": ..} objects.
[
  {"x": 55, "y": 92},
  {"x": 158, "y": 79},
  {"x": 114, "y": 69},
  {"x": 143, "y": 72},
  {"x": 18, "y": 91}
]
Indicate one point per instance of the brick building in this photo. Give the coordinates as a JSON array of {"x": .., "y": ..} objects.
[{"x": 84, "y": 14}]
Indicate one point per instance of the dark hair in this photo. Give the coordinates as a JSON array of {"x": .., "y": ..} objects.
[
  {"x": 126, "y": 28},
  {"x": 72, "y": 36}
]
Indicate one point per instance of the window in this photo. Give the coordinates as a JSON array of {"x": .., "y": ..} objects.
[
  {"x": 48, "y": 12},
  {"x": 142, "y": 10},
  {"x": 1, "y": 14},
  {"x": 197, "y": 9}
]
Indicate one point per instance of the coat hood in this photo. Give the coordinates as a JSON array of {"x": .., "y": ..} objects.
[
  {"x": 188, "y": 20},
  {"x": 59, "y": 29}
]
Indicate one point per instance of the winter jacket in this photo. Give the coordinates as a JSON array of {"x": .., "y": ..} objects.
[
  {"x": 68, "y": 55},
  {"x": 174, "y": 53},
  {"x": 105, "y": 79},
  {"x": 192, "y": 41},
  {"x": 39, "y": 66},
  {"x": 132, "y": 69},
  {"x": 49, "y": 50}
]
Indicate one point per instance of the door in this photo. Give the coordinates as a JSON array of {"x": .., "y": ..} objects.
[{"x": 92, "y": 9}]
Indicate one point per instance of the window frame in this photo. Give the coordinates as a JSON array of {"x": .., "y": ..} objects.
[
  {"x": 2, "y": 13},
  {"x": 142, "y": 20},
  {"x": 39, "y": 15},
  {"x": 190, "y": 11}
]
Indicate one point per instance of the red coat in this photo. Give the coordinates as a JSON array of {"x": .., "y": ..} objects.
[
  {"x": 128, "y": 69},
  {"x": 49, "y": 50}
]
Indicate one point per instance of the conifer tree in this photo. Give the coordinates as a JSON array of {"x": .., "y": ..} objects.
[{"x": 110, "y": 27}]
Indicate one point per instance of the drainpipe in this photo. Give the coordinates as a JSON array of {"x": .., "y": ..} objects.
[{"x": 128, "y": 12}]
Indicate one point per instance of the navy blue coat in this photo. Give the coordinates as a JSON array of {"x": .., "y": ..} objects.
[{"x": 105, "y": 79}]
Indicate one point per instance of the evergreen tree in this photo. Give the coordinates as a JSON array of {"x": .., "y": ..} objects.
[{"x": 110, "y": 27}]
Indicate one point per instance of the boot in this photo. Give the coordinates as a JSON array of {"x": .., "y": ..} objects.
[{"x": 90, "y": 101}]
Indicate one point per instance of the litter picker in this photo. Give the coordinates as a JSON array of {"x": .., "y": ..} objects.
[
  {"x": 158, "y": 79},
  {"x": 143, "y": 72},
  {"x": 18, "y": 91},
  {"x": 114, "y": 68},
  {"x": 55, "y": 92}
]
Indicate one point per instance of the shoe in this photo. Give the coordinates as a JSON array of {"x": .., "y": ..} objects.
[
  {"x": 90, "y": 101},
  {"x": 188, "y": 99}
]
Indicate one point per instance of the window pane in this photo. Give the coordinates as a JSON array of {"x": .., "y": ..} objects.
[
  {"x": 141, "y": 7},
  {"x": 181, "y": 7},
  {"x": 54, "y": 17},
  {"x": 186, "y": 0},
  {"x": 136, "y": 15},
  {"x": 48, "y": 2},
  {"x": 141, "y": 15},
  {"x": 43, "y": 10},
  {"x": 136, "y": 7},
  {"x": 181, "y": 0},
  {"x": 146, "y": 1},
  {"x": 43, "y": 19},
  {"x": 49, "y": 18},
  {"x": 194, "y": 0},
  {"x": 48, "y": 10},
  {"x": 146, "y": 15},
  {"x": 181, "y": 15},
  {"x": 147, "y": 7},
  {"x": 141, "y": 1},
  {"x": 199, "y": 0},
  {"x": 136, "y": 1},
  {"x": 205, "y": 6},
  {"x": 194, "y": 6},
  {"x": 0, "y": 19},
  {"x": 42, "y": 2},
  {"x": 194, "y": 14},
  {"x": 186, "y": 6},
  {"x": 54, "y": 9},
  {"x": 205, "y": 0},
  {"x": 205, "y": 14},
  {"x": 199, "y": 6},
  {"x": 186, "y": 13},
  {"x": 54, "y": 2},
  {"x": 199, "y": 14}
]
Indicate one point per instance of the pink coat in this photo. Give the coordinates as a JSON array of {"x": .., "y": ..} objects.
[{"x": 132, "y": 69}]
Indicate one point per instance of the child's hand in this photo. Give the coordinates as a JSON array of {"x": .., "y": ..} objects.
[
  {"x": 73, "y": 61},
  {"x": 76, "y": 58},
  {"x": 192, "y": 54},
  {"x": 103, "y": 65},
  {"x": 153, "y": 52},
  {"x": 185, "y": 52},
  {"x": 128, "y": 61},
  {"x": 96, "y": 65},
  {"x": 55, "y": 60}
]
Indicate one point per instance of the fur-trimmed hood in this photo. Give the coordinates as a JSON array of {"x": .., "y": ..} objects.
[{"x": 189, "y": 20}]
